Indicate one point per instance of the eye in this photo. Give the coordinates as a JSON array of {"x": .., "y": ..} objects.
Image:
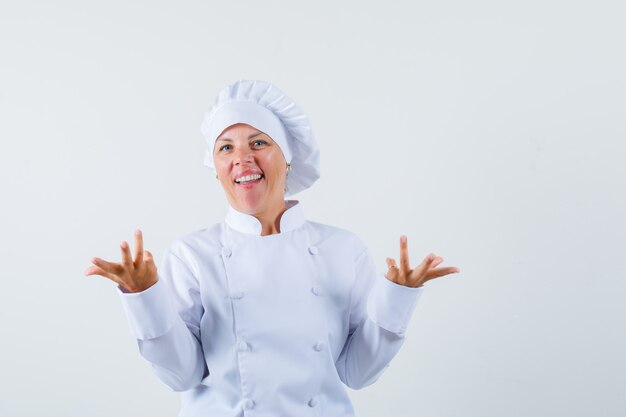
[
  {"x": 225, "y": 148},
  {"x": 259, "y": 142}
]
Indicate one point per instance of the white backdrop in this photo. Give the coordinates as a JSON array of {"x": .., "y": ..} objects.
[{"x": 491, "y": 133}]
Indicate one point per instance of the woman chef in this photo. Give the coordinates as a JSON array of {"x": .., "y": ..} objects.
[{"x": 267, "y": 313}]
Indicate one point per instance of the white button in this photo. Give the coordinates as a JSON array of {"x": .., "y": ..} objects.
[
  {"x": 243, "y": 346},
  {"x": 236, "y": 295},
  {"x": 319, "y": 346},
  {"x": 315, "y": 290},
  {"x": 248, "y": 404},
  {"x": 313, "y": 250},
  {"x": 226, "y": 252},
  {"x": 312, "y": 402}
]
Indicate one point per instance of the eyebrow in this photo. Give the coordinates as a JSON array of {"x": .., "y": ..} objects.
[{"x": 249, "y": 137}]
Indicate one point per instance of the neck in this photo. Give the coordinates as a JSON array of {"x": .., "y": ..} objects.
[{"x": 270, "y": 220}]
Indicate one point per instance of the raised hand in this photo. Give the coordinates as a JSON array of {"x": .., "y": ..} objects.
[
  {"x": 133, "y": 276},
  {"x": 416, "y": 277}
]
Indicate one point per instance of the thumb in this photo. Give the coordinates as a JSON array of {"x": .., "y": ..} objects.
[{"x": 147, "y": 256}]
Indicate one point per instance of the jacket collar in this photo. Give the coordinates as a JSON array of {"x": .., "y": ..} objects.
[{"x": 291, "y": 219}]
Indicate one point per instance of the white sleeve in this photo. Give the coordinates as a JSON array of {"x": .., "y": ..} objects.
[
  {"x": 380, "y": 311},
  {"x": 165, "y": 320}
]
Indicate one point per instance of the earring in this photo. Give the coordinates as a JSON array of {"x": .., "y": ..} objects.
[
  {"x": 216, "y": 177},
  {"x": 288, "y": 166}
]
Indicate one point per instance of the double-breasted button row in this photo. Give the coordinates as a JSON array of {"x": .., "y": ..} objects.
[
  {"x": 243, "y": 346},
  {"x": 235, "y": 295},
  {"x": 248, "y": 404},
  {"x": 227, "y": 253}
]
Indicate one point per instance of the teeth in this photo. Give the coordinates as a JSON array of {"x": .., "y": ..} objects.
[{"x": 248, "y": 178}]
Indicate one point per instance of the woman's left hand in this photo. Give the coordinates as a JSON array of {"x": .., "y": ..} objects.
[{"x": 404, "y": 275}]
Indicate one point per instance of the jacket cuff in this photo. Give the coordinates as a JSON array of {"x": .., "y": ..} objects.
[
  {"x": 391, "y": 305},
  {"x": 150, "y": 313}
]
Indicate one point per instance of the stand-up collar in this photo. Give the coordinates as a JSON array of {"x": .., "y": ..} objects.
[{"x": 291, "y": 219}]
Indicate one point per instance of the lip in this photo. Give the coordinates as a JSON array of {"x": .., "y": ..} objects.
[
  {"x": 250, "y": 184},
  {"x": 247, "y": 172}
]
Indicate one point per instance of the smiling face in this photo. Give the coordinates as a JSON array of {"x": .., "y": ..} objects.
[{"x": 252, "y": 170}]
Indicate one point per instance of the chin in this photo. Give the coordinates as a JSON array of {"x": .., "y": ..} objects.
[
  {"x": 252, "y": 203},
  {"x": 248, "y": 204}
]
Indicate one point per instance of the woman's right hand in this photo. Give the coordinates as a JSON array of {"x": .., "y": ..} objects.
[{"x": 133, "y": 276}]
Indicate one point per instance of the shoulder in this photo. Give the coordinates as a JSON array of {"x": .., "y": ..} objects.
[
  {"x": 339, "y": 238},
  {"x": 200, "y": 243},
  {"x": 195, "y": 249}
]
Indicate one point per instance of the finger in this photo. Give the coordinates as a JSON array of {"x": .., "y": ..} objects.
[
  {"x": 138, "y": 247},
  {"x": 436, "y": 261},
  {"x": 94, "y": 270},
  {"x": 127, "y": 260},
  {"x": 392, "y": 272},
  {"x": 405, "y": 267},
  {"x": 436, "y": 273},
  {"x": 110, "y": 267},
  {"x": 147, "y": 257},
  {"x": 420, "y": 271}
]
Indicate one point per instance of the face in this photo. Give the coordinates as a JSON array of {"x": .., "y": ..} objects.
[{"x": 252, "y": 170}]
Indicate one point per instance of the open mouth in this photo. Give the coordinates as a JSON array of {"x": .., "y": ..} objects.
[{"x": 249, "y": 179}]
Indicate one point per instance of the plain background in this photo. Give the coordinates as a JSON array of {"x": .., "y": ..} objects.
[{"x": 491, "y": 133}]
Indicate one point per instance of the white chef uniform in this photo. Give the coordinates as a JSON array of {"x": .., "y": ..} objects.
[{"x": 269, "y": 326}]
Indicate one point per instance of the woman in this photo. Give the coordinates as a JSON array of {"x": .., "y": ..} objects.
[{"x": 267, "y": 313}]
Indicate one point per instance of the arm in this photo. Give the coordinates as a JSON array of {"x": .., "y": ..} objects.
[
  {"x": 380, "y": 311},
  {"x": 165, "y": 320}
]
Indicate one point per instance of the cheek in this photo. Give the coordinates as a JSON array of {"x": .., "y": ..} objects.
[
  {"x": 221, "y": 170},
  {"x": 278, "y": 168},
  {"x": 219, "y": 164}
]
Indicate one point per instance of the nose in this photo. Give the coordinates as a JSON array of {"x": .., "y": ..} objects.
[{"x": 242, "y": 155}]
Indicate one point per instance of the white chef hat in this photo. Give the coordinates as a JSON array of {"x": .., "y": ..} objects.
[{"x": 266, "y": 108}]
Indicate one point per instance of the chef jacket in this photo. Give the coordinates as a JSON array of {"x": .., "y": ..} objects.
[{"x": 269, "y": 326}]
